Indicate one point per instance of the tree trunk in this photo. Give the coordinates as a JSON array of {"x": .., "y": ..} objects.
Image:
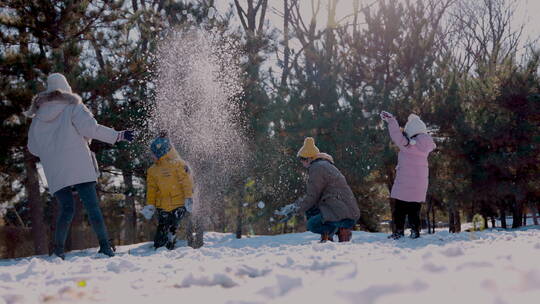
[
  {"x": 534, "y": 215},
  {"x": 537, "y": 211},
  {"x": 39, "y": 235},
  {"x": 433, "y": 217},
  {"x": 457, "y": 218},
  {"x": 517, "y": 213},
  {"x": 130, "y": 213},
  {"x": 286, "y": 49},
  {"x": 194, "y": 232},
  {"x": 239, "y": 219},
  {"x": 223, "y": 220},
  {"x": 503, "y": 218},
  {"x": 493, "y": 223},
  {"x": 429, "y": 206},
  {"x": 454, "y": 220},
  {"x": 450, "y": 221}
]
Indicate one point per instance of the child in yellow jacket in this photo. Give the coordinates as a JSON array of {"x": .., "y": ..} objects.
[{"x": 169, "y": 190}]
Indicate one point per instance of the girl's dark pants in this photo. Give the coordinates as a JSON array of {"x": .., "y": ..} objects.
[{"x": 412, "y": 210}]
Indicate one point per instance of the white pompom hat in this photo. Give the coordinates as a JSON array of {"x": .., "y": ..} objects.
[
  {"x": 415, "y": 126},
  {"x": 57, "y": 82}
]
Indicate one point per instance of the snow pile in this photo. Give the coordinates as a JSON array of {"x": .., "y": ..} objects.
[{"x": 482, "y": 267}]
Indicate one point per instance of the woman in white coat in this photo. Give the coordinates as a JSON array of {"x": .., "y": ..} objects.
[{"x": 60, "y": 133}]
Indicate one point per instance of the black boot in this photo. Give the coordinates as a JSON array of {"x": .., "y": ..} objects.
[
  {"x": 171, "y": 241},
  {"x": 59, "y": 252},
  {"x": 397, "y": 235},
  {"x": 415, "y": 234},
  {"x": 106, "y": 248}
]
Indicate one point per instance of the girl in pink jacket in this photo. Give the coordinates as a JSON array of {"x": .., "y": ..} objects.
[{"x": 411, "y": 183}]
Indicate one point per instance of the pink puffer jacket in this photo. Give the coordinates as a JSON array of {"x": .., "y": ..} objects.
[{"x": 412, "y": 174}]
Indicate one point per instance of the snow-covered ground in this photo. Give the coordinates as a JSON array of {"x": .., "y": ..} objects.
[{"x": 482, "y": 267}]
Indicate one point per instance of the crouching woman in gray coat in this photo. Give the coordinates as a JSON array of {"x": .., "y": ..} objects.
[
  {"x": 329, "y": 203},
  {"x": 61, "y": 130}
]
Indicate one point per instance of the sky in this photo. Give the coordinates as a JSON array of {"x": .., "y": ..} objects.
[{"x": 526, "y": 12}]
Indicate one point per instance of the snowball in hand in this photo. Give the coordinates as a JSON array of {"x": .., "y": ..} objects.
[
  {"x": 261, "y": 205},
  {"x": 211, "y": 12},
  {"x": 286, "y": 210}
]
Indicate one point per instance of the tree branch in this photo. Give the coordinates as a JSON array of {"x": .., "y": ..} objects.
[{"x": 241, "y": 14}]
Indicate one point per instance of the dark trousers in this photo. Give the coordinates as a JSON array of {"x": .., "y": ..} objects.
[
  {"x": 315, "y": 223},
  {"x": 168, "y": 222},
  {"x": 87, "y": 193},
  {"x": 407, "y": 209}
]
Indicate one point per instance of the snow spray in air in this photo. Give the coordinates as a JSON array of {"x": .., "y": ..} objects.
[{"x": 198, "y": 95}]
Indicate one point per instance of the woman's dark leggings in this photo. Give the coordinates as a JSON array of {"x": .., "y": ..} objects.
[
  {"x": 88, "y": 195},
  {"x": 410, "y": 209}
]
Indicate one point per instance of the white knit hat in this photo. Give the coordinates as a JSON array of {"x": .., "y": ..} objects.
[
  {"x": 57, "y": 82},
  {"x": 415, "y": 126}
]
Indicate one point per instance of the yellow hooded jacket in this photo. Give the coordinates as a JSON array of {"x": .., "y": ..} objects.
[{"x": 168, "y": 182}]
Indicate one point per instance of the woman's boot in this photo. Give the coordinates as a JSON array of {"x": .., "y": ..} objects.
[
  {"x": 59, "y": 252},
  {"x": 344, "y": 235},
  {"x": 106, "y": 248},
  {"x": 325, "y": 237}
]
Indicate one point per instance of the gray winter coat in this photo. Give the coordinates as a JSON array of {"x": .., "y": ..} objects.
[
  {"x": 328, "y": 190},
  {"x": 59, "y": 135}
]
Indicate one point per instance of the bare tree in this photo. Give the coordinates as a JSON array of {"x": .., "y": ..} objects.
[
  {"x": 486, "y": 34},
  {"x": 287, "y": 6}
]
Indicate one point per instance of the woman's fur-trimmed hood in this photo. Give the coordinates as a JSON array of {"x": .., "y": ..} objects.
[
  {"x": 57, "y": 101},
  {"x": 325, "y": 156}
]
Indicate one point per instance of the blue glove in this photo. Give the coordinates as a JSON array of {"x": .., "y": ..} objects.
[
  {"x": 148, "y": 211},
  {"x": 179, "y": 212},
  {"x": 188, "y": 203},
  {"x": 127, "y": 135},
  {"x": 288, "y": 209}
]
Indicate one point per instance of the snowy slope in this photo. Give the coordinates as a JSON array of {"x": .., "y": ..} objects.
[{"x": 488, "y": 267}]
